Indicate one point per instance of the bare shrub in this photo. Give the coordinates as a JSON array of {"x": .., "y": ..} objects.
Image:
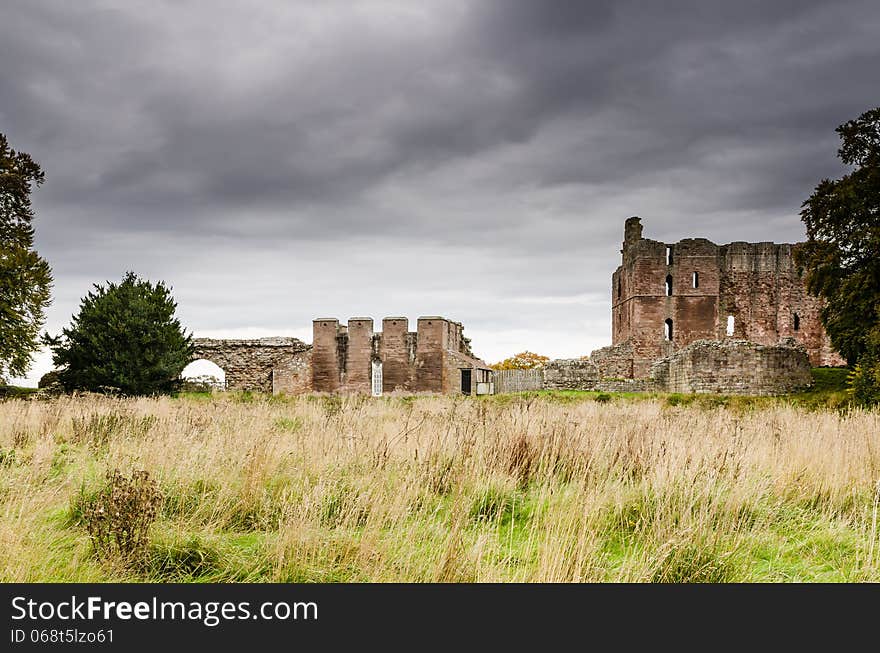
[{"x": 118, "y": 517}]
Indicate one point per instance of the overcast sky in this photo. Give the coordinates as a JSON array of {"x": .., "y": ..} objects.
[{"x": 280, "y": 161}]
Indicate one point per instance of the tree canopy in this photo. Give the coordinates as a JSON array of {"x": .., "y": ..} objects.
[
  {"x": 525, "y": 360},
  {"x": 125, "y": 337},
  {"x": 841, "y": 256},
  {"x": 25, "y": 278}
]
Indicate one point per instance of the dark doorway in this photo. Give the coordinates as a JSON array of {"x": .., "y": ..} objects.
[{"x": 465, "y": 382}]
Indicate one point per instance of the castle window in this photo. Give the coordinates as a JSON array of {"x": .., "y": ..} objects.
[
  {"x": 669, "y": 255},
  {"x": 667, "y": 330},
  {"x": 376, "y": 379},
  {"x": 730, "y": 325},
  {"x": 618, "y": 289},
  {"x": 669, "y": 285},
  {"x": 797, "y": 322},
  {"x": 696, "y": 279}
]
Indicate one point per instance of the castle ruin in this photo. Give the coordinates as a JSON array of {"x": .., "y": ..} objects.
[
  {"x": 352, "y": 358},
  {"x": 690, "y": 316},
  {"x": 665, "y": 296},
  {"x": 434, "y": 358}
]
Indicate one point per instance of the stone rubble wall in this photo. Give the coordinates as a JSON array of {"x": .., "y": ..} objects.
[
  {"x": 249, "y": 364},
  {"x": 735, "y": 367},
  {"x": 293, "y": 375},
  {"x": 614, "y": 362},
  {"x": 571, "y": 374}
]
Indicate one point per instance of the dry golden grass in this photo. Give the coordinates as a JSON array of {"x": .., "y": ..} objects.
[{"x": 447, "y": 489}]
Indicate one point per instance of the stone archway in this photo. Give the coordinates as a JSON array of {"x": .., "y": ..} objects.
[
  {"x": 204, "y": 373},
  {"x": 262, "y": 364}
]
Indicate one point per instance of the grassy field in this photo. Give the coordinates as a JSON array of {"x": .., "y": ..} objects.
[{"x": 538, "y": 487}]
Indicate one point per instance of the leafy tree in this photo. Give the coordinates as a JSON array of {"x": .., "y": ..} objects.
[
  {"x": 124, "y": 337},
  {"x": 25, "y": 278},
  {"x": 864, "y": 380},
  {"x": 842, "y": 254},
  {"x": 525, "y": 360}
]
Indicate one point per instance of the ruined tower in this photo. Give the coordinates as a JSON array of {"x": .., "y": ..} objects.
[
  {"x": 434, "y": 358},
  {"x": 667, "y": 295}
]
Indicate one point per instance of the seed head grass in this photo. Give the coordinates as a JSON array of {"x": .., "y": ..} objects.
[{"x": 437, "y": 489}]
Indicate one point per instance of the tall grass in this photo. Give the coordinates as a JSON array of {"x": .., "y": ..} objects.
[{"x": 447, "y": 489}]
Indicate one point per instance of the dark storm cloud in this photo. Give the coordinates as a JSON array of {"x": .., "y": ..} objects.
[{"x": 501, "y": 142}]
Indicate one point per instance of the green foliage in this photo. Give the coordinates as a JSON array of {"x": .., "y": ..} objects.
[
  {"x": 49, "y": 380},
  {"x": 689, "y": 562},
  {"x": 15, "y": 392},
  {"x": 25, "y": 278},
  {"x": 864, "y": 380},
  {"x": 525, "y": 360},
  {"x": 841, "y": 257},
  {"x": 829, "y": 379},
  {"x": 124, "y": 338},
  {"x": 495, "y": 504},
  {"x": 181, "y": 561}
]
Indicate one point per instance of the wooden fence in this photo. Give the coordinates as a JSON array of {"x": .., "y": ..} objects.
[{"x": 518, "y": 380}]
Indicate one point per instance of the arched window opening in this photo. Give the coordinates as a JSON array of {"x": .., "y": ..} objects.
[
  {"x": 619, "y": 289},
  {"x": 797, "y": 322},
  {"x": 696, "y": 279},
  {"x": 730, "y": 325},
  {"x": 669, "y": 255},
  {"x": 203, "y": 376},
  {"x": 669, "y": 285},
  {"x": 667, "y": 330}
]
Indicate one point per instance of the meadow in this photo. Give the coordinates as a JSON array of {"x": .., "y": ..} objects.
[{"x": 550, "y": 487}]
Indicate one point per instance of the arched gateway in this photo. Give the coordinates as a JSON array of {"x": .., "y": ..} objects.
[{"x": 263, "y": 364}]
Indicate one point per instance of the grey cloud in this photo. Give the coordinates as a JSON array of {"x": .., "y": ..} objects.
[{"x": 449, "y": 156}]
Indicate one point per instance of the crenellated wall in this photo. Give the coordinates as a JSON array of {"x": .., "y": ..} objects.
[
  {"x": 431, "y": 359},
  {"x": 697, "y": 286}
]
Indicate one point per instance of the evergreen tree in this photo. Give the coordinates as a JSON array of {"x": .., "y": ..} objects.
[
  {"x": 25, "y": 278},
  {"x": 125, "y": 337}
]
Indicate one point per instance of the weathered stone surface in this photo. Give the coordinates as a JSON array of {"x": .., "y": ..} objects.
[
  {"x": 734, "y": 367},
  {"x": 571, "y": 374},
  {"x": 249, "y": 364},
  {"x": 615, "y": 362},
  {"x": 697, "y": 285},
  {"x": 428, "y": 360}
]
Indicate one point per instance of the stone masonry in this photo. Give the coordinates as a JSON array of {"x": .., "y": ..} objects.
[
  {"x": 734, "y": 367},
  {"x": 434, "y": 358},
  {"x": 666, "y": 296},
  {"x": 264, "y": 364}
]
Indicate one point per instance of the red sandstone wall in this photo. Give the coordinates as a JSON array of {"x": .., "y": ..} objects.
[
  {"x": 293, "y": 375},
  {"x": 358, "y": 369},
  {"x": 429, "y": 354},
  {"x": 757, "y": 283},
  {"x": 325, "y": 358},
  {"x": 397, "y": 367}
]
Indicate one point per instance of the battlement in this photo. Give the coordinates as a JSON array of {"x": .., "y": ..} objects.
[
  {"x": 665, "y": 296},
  {"x": 352, "y": 357}
]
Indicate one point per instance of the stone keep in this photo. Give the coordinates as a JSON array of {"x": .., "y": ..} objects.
[{"x": 665, "y": 296}]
